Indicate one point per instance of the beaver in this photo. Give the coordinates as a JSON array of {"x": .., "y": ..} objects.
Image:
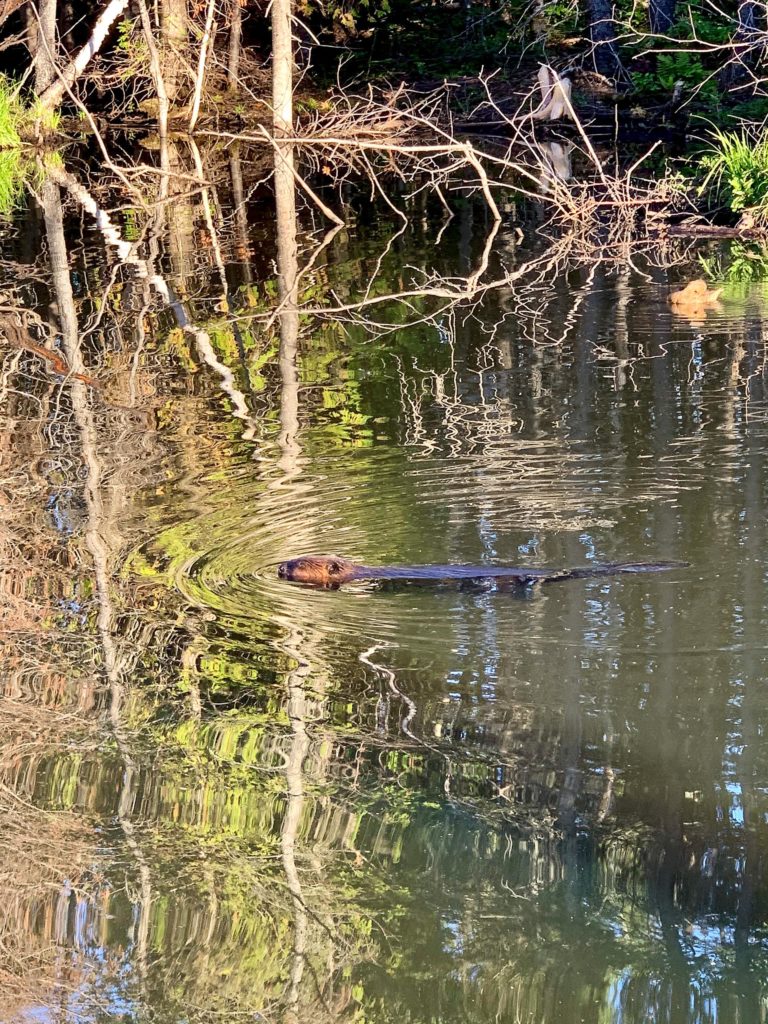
[
  {"x": 695, "y": 299},
  {"x": 331, "y": 571}
]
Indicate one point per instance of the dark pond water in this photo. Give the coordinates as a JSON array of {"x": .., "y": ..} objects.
[{"x": 226, "y": 797}]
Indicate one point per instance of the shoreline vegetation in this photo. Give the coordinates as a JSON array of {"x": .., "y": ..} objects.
[{"x": 640, "y": 122}]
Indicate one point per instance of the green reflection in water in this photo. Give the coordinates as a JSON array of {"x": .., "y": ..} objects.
[{"x": 390, "y": 803}]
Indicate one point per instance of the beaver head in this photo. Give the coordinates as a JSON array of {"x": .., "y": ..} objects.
[
  {"x": 696, "y": 294},
  {"x": 317, "y": 570}
]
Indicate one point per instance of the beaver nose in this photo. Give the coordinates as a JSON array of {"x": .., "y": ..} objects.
[{"x": 282, "y": 570}]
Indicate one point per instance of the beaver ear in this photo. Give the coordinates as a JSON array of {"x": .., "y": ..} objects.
[{"x": 334, "y": 568}]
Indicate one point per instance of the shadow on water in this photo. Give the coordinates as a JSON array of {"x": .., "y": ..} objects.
[{"x": 224, "y": 794}]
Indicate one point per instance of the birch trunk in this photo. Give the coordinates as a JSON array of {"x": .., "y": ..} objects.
[
  {"x": 282, "y": 69},
  {"x": 45, "y": 46}
]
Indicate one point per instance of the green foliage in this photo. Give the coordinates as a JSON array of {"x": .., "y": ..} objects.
[
  {"x": 744, "y": 263},
  {"x": 555, "y": 21},
  {"x": 132, "y": 49},
  {"x": 427, "y": 39},
  {"x": 694, "y": 23},
  {"x": 350, "y": 14},
  {"x": 695, "y": 68},
  {"x": 674, "y": 67},
  {"x": 12, "y": 180},
  {"x": 11, "y": 114},
  {"x": 737, "y": 170}
]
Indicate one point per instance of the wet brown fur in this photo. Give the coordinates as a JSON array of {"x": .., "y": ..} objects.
[
  {"x": 318, "y": 570},
  {"x": 331, "y": 571},
  {"x": 695, "y": 298}
]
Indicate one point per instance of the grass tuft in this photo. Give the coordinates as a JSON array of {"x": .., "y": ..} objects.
[
  {"x": 11, "y": 114},
  {"x": 737, "y": 170}
]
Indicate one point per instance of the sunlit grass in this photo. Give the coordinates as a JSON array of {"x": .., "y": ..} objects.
[
  {"x": 17, "y": 163},
  {"x": 737, "y": 168},
  {"x": 13, "y": 176},
  {"x": 11, "y": 114},
  {"x": 13, "y": 163}
]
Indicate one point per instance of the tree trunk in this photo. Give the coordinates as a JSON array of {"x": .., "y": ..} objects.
[
  {"x": 155, "y": 65},
  {"x": 174, "y": 34},
  {"x": 208, "y": 33},
  {"x": 661, "y": 14},
  {"x": 69, "y": 19},
  {"x": 235, "y": 43},
  {"x": 605, "y": 53},
  {"x": 282, "y": 69},
  {"x": 738, "y": 75},
  {"x": 45, "y": 50}
]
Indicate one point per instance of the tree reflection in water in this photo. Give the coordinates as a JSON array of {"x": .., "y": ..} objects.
[{"x": 227, "y": 794}]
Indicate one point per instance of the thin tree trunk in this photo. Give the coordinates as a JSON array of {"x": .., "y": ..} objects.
[
  {"x": 200, "y": 78},
  {"x": 605, "y": 53},
  {"x": 32, "y": 29},
  {"x": 174, "y": 32},
  {"x": 51, "y": 96},
  {"x": 45, "y": 51},
  {"x": 160, "y": 89},
  {"x": 661, "y": 14},
  {"x": 739, "y": 73},
  {"x": 69, "y": 19},
  {"x": 282, "y": 69},
  {"x": 242, "y": 245},
  {"x": 235, "y": 43}
]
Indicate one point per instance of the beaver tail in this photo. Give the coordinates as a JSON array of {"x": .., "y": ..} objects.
[{"x": 616, "y": 569}]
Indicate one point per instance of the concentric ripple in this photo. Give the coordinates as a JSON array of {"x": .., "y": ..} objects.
[{"x": 541, "y": 503}]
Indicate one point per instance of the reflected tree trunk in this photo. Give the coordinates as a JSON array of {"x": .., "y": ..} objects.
[
  {"x": 242, "y": 242},
  {"x": 288, "y": 315},
  {"x": 294, "y": 778},
  {"x": 751, "y": 733},
  {"x": 180, "y": 218},
  {"x": 101, "y": 540}
]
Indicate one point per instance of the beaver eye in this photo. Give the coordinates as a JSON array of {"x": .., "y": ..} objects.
[{"x": 334, "y": 568}]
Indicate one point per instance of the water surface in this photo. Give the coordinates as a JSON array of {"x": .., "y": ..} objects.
[{"x": 226, "y": 796}]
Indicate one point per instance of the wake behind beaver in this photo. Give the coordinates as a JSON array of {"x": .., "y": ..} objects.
[{"x": 331, "y": 571}]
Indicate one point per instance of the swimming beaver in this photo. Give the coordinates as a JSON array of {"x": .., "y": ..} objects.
[
  {"x": 331, "y": 571},
  {"x": 695, "y": 299}
]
